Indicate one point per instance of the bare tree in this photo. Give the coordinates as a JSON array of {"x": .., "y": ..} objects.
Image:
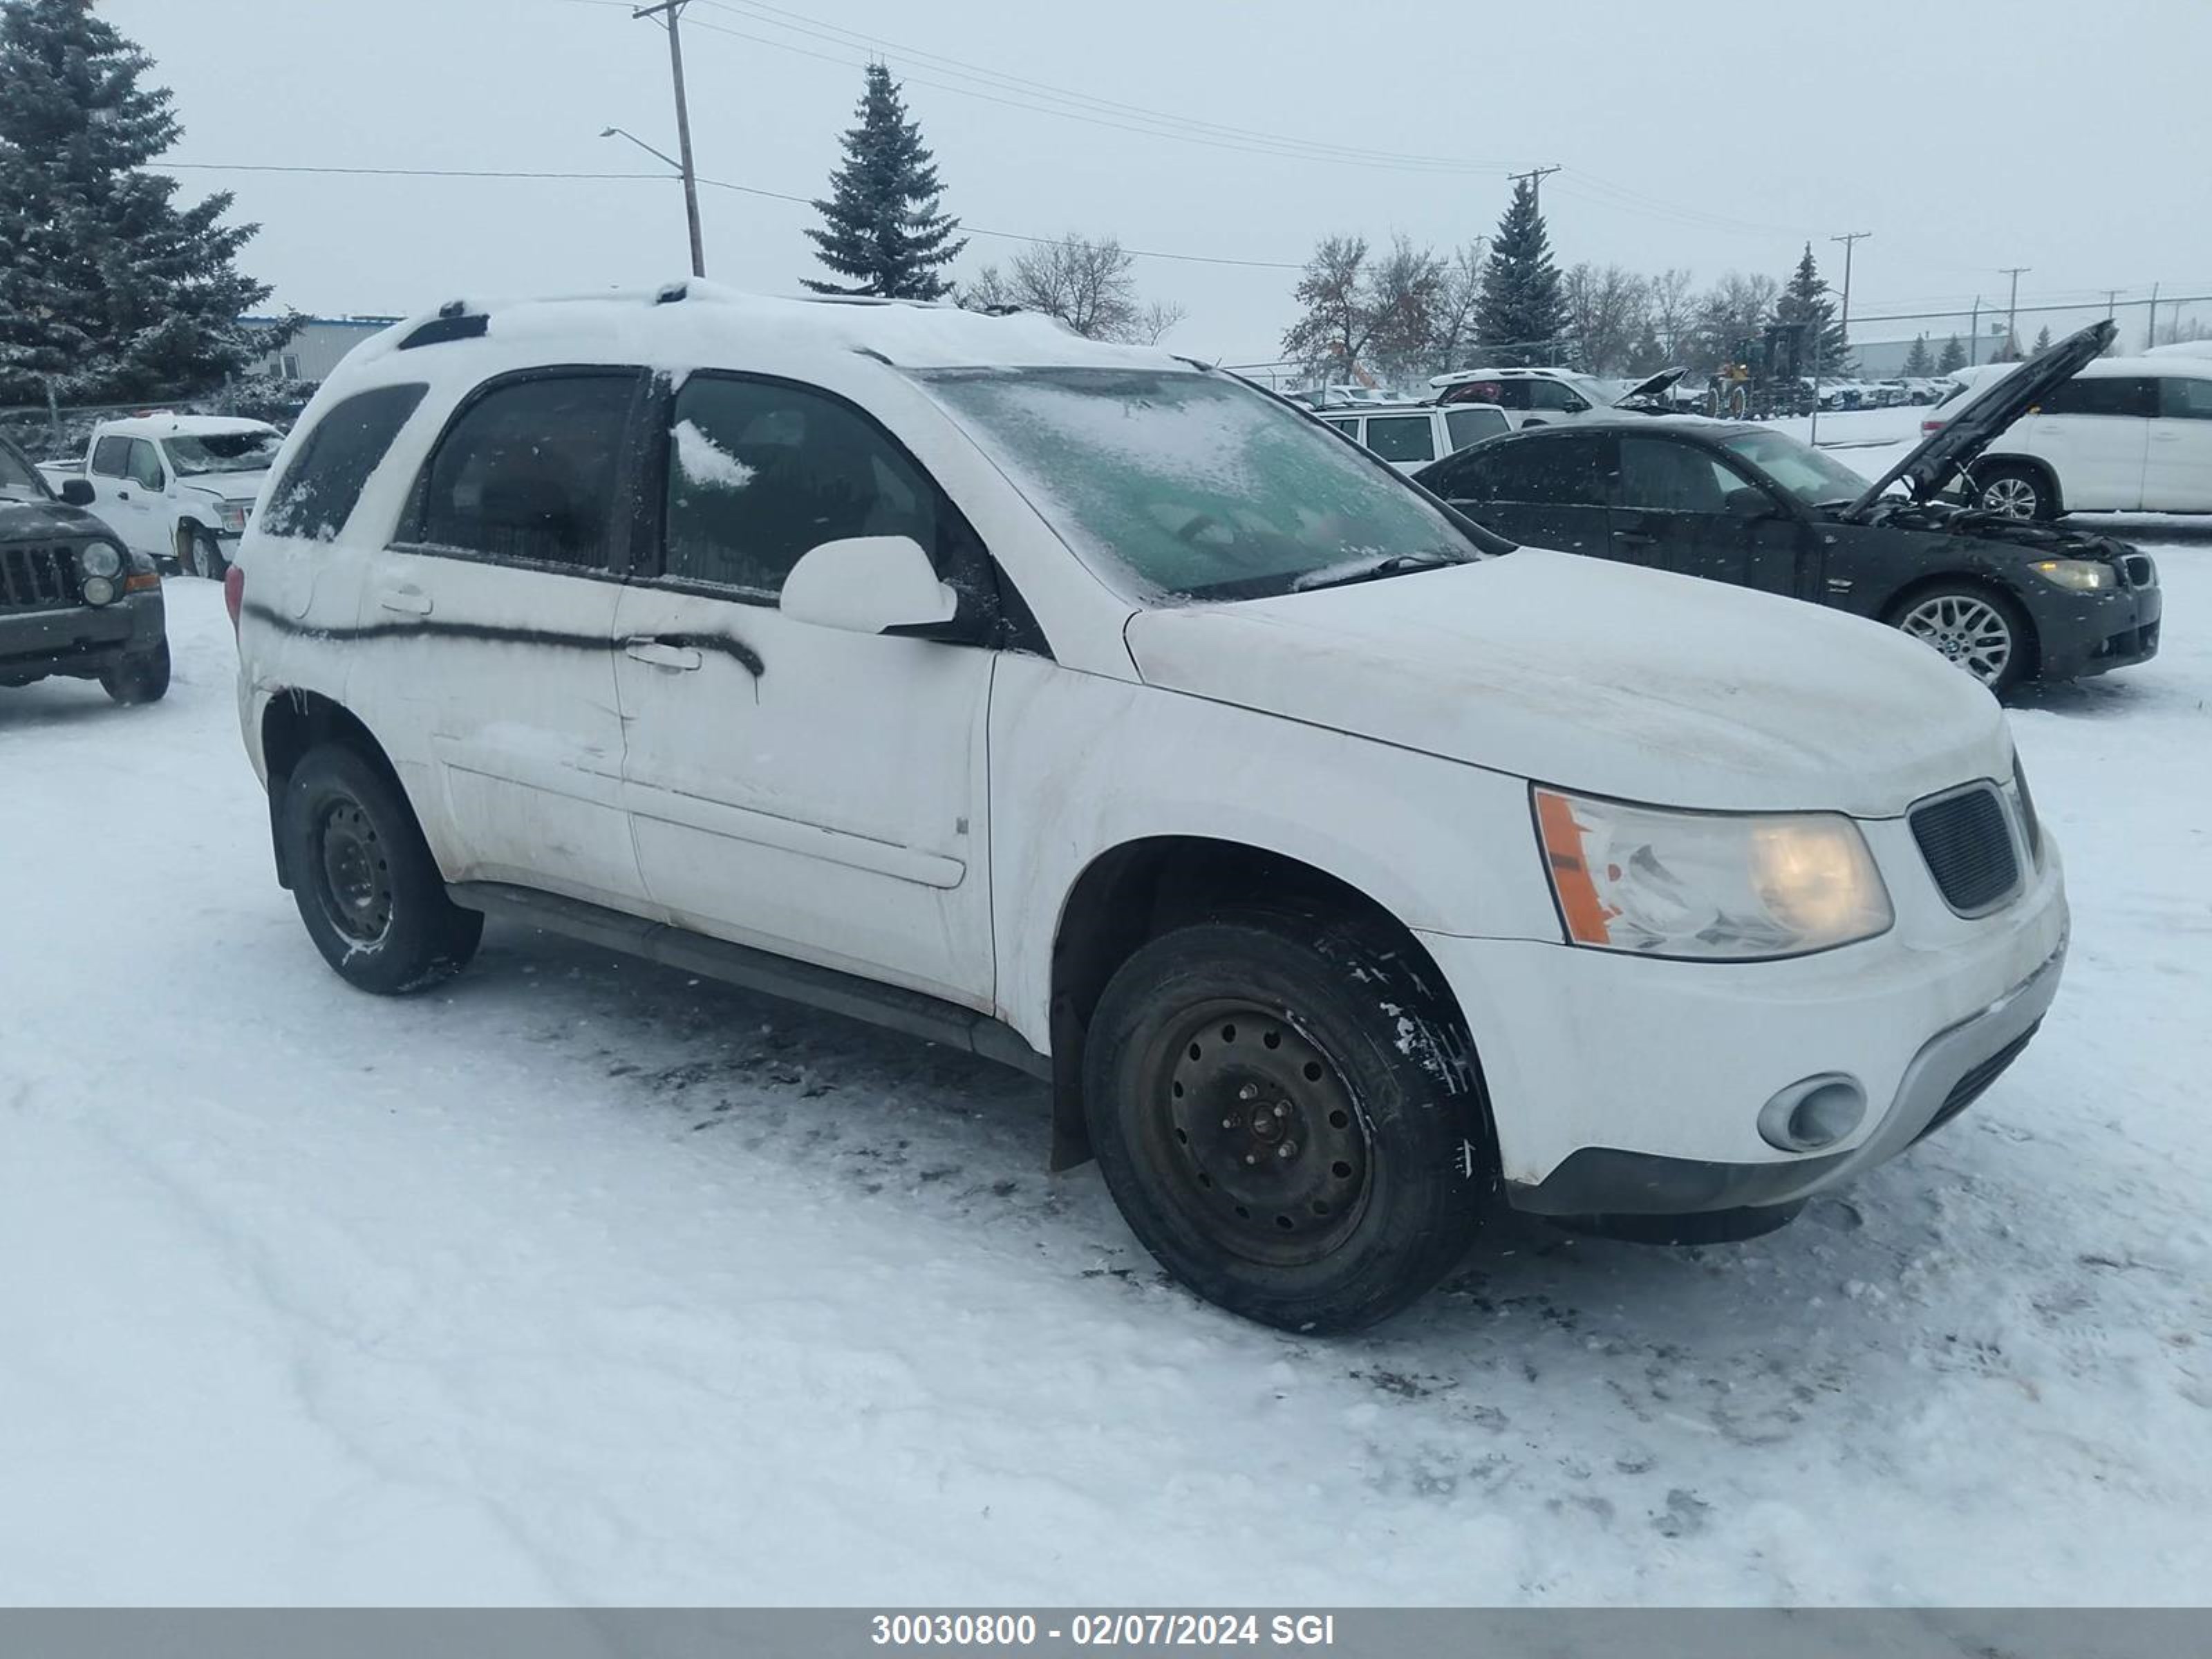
[
  {"x": 1087, "y": 282},
  {"x": 1336, "y": 319},
  {"x": 1674, "y": 310},
  {"x": 1453, "y": 340},
  {"x": 1405, "y": 288},
  {"x": 1605, "y": 314},
  {"x": 1731, "y": 314}
]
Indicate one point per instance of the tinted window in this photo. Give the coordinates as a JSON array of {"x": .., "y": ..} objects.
[
  {"x": 319, "y": 489},
  {"x": 1566, "y": 469},
  {"x": 111, "y": 456},
  {"x": 2111, "y": 394},
  {"x": 2184, "y": 399},
  {"x": 1350, "y": 428},
  {"x": 1671, "y": 477},
  {"x": 760, "y": 474},
  {"x": 1553, "y": 395},
  {"x": 1472, "y": 426},
  {"x": 1400, "y": 437},
  {"x": 530, "y": 471},
  {"x": 145, "y": 465}
]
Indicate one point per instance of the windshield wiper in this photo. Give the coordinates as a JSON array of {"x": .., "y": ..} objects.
[{"x": 1368, "y": 570}]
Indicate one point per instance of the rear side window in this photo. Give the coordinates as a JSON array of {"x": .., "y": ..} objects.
[
  {"x": 1472, "y": 426},
  {"x": 2111, "y": 394},
  {"x": 1565, "y": 471},
  {"x": 319, "y": 490},
  {"x": 111, "y": 457},
  {"x": 2183, "y": 398},
  {"x": 1400, "y": 437},
  {"x": 760, "y": 473},
  {"x": 531, "y": 471}
]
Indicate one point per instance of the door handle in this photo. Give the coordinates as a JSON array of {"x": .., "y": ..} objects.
[
  {"x": 407, "y": 601},
  {"x": 2166, "y": 437},
  {"x": 669, "y": 653},
  {"x": 1635, "y": 537},
  {"x": 122, "y": 494}
]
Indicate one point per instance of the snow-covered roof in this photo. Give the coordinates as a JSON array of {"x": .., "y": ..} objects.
[
  {"x": 2183, "y": 349},
  {"x": 182, "y": 426},
  {"x": 692, "y": 322}
]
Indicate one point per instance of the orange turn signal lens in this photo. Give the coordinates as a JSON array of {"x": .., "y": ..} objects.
[
  {"x": 1586, "y": 914},
  {"x": 139, "y": 581}
]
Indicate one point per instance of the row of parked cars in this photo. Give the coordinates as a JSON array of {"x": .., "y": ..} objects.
[{"x": 1880, "y": 394}]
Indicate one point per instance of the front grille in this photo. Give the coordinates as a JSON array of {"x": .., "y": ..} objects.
[
  {"x": 38, "y": 578},
  {"x": 1970, "y": 1087},
  {"x": 1969, "y": 849}
]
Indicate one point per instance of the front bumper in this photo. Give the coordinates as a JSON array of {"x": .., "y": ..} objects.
[
  {"x": 1620, "y": 1085},
  {"x": 81, "y": 640},
  {"x": 2090, "y": 634}
]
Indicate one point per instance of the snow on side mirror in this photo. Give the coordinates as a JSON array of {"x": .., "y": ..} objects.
[{"x": 868, "y": 585}]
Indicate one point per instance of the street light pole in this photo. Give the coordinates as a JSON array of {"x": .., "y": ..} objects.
[
  {"x": 670, "y": 11},
  {"x": 2012, "y": 309}
]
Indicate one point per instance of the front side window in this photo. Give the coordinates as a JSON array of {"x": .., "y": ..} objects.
[
  {"x": 2184, "y": 397},
  {"x": 1671, "y": 477},
  {"x": 1556, "y": 396},
  {"x": 1192, "y": 485},
  {"x": 145, "y": 465},
  {"x": 1570, "y": 470},
  {"x": 318, "y": 491},
  {"x": 224, "y": 452},
  {"x": 1472, "y": 426},
  {"x": 1400, "y": 437},
  {"x": 2109, "y": 394},
  {"x": 111, "y": 457},
  {"x": 761, "y": 473},
  {"x": 531, "y": 469}
]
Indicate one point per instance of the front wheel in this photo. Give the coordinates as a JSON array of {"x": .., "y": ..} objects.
[
  {"x": 207, "y": 558},
  {"x": 1976, "y": 629},
  {"x": 142, "y": 678},
  {"x": 2016, "y": 492},
  {"x": 368, "y": 889},
  {"x": 1288, "y": 1111}
]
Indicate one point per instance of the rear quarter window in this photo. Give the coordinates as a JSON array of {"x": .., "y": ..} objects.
[{"x": 323, "y": 484}]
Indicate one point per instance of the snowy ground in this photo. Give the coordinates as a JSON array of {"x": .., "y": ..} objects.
[{"x": 585, "y": 1282}]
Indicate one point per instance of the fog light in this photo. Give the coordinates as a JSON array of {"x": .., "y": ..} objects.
[
  {"x": 1813, "y": 1113},
  {"x": 98, "y": 590}
]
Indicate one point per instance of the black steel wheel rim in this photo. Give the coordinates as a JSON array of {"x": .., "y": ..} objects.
[
  {"x": 355, "y": 886},
  {"x": 1251, "y": 1132}
]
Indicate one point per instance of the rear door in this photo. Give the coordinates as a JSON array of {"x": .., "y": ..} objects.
[
  {"x": 2095, "y": 432},
  {"x": 494, "y": 616},
  {"x": 1544, "y": 489},
  {"x": 2178, "y": 467}
]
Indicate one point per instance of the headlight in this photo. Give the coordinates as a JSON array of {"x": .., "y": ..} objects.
[
  {"x": 1722, "y": 885},
  {"x": 99, "y": 559},
  {"x": 2082, "y": 576},
  {"x": 234, "y": 516}
]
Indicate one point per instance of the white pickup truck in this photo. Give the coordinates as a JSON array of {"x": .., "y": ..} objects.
[{"x": 179, "y": 487}]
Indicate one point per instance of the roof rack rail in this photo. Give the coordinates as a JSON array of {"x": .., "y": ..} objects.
[{"x": 670, "y": 293}]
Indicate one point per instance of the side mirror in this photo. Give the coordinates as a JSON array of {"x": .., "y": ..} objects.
[
  {"x": 869, "y": 584},
  {"x": 78, "y": 492},
  {"x": 1749, "y": 503}
]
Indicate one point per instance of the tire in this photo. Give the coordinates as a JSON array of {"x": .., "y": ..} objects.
[
  {"x": 207, "y": 558},
  {"x": 1955, "y": 617},
  {"x": 141, "y": 678},
  {"x": 367, "y": 890},
  {"x": 1218, "y": 1046},
  {"x": 2016, "y": 492}
]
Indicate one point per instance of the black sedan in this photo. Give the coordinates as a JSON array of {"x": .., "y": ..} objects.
[{"x": 2008, "y": 601}]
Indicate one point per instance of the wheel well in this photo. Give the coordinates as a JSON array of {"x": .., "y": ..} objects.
[
  {"x": 1902, "y": 599},
  {"x": 2042, "y": 469},
  {"x": 296, "y": 721},
  {"x": 1140, "y": 890}
]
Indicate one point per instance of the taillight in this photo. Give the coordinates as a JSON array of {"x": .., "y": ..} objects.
[{"x": 233, "y": 595}]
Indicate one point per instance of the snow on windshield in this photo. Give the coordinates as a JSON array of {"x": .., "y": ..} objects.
[
  {"x": 223, "y": 452},
  {"x": 1194, "y": 484},
  {"x": 704, "y": 461}
]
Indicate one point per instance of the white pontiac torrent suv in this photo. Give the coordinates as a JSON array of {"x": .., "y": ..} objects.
[{"x": 1342, "y": 868}]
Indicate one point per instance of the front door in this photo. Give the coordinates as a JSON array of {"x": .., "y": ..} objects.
[
  {"x": 127, "y": 483},
  {"x": 497, "y": 605},
  {"x": 2178, "y": 472},
  {"x": 1680, "y": 507},
  {"x": 801, "y": 789}
]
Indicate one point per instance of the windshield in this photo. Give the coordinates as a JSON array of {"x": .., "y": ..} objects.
[
  {"x": 1194, "y": 484},
  {"x": 19, "y": 476},
  {"x": 1798, "y": 468},
  {"x": 223, "y": 452}
]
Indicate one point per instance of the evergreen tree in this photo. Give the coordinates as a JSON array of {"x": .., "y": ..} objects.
[
  {"x": 1917, "y": 363},
  {"x": 1804, "y": 301},
  {"x": 882, "y": 227},
  {"x": 1953, "y": 358},
  {"x": 2043, "y": 340},
  {"x": 1519, "y": 314},
  {"x": 108, "y": 290}
]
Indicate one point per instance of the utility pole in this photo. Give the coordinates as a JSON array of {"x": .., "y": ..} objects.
[
  {"x": 1850, "y": 239},
  {"x": 669, "y": 11},
  {"x": 2012, "y": 307},
  {"x": 1974, "y": 335},
  {"x": 2150, "y": 334},
  {"x": 1536, "y": 176},
  {"x": 2112, "y": 302}
]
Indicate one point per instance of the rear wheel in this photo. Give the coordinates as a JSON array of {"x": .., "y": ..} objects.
[
  {"x": 2016, "y": 492},
  {"x": 368, "y": 889},
  {"x": 1976, "y": 629},
  {"x": 143, "y": 677},
  {"x": 1288, "y": 1115}
]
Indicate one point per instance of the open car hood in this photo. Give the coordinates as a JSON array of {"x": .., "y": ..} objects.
[
  {"x": 1644, "y": 390},
  {"x": 1953, "y": 446}
]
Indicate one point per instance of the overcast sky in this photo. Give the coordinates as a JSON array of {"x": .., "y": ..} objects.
[{"x": 2066, "y": 136}]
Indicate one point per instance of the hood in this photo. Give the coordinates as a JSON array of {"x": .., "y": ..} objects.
[
  {"x": 1602, "y": 677},
  {"x": 29, "y": 521},
  {"x": 1982, "y": 419},
  {"x": 1644, "y": 390},
  {"x": 228, "y": 486}
]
